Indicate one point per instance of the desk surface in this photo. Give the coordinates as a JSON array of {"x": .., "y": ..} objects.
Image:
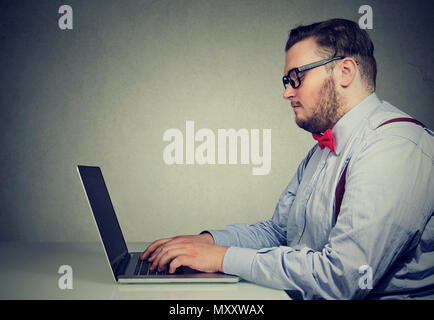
[{"x": 30, "y": 271}]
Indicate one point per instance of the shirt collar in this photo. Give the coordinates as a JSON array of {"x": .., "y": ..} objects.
[{"x": 343, "y": 129}]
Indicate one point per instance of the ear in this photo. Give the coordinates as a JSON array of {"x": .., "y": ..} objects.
[{"x": 347, "y": 71}]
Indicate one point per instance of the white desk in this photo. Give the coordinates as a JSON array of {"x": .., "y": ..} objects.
[{"x": 30, "y": 271}]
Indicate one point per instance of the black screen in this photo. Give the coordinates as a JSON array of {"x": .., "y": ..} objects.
[{"x": 103, "y": 212}]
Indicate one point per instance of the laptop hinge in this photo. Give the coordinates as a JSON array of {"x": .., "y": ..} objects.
[{"x": 120, "y": 264}]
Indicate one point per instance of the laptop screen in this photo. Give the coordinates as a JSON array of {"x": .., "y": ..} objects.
[{"x": 103, "y": 212}]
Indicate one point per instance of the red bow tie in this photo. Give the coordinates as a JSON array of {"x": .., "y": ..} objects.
[{"x": 325, "y": 140}]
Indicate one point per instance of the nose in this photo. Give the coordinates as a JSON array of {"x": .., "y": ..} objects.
[{"x": 289, "y": 93}]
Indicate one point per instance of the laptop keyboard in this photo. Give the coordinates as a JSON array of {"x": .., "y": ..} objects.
[{"x": 142, "y": 268}]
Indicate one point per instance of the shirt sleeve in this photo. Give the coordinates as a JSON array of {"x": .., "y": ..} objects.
[
  {"x": 386, "y": 206},
  {"x": 269, "y": 233}
]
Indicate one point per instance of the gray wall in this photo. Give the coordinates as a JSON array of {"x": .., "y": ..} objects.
[{"x": 105, "y": 92}]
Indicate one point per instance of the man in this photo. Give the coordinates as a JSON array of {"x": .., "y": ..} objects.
[{"x": 356, "y": 219}]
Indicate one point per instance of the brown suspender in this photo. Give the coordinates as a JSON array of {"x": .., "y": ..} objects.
[{"x": 340, "y": 189}]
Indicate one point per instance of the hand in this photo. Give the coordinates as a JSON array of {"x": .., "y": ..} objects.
[
  {"x": 196, "y": 252},
  {"x": 155, "y": 246}
]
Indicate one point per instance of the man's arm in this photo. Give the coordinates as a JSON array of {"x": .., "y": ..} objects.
[{"x": 387, "y": 203}]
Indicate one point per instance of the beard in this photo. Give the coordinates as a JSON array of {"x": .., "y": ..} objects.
[{"x": 327, "y": 111}]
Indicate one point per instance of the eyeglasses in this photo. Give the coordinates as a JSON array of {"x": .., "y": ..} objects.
[{"x": 293, "y": 78}]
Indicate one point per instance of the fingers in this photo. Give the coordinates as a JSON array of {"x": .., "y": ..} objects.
[
  {"x": 154, "y": 245},
  {"x": 166, "y": 256},
  {"x": 176, "y": 263},
  {"x": 163, "y": 247},
  {"x": 155, "y": 248},
  {"x": 184, "y": 252},
  {"x": 166, "y": 253}
]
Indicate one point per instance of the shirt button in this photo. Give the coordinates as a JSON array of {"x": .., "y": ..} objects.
[
  {"x": 299, "y": 234},
  {"x": 307, "y": 197},
  {"x": 323, "y": 162}
]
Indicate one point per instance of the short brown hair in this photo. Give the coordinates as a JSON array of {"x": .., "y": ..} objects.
[{"x": 341, "y": 37}]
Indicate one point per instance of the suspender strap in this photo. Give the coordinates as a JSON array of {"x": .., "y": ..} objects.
[
  {"x": 339, "y": 194},
  {"x": 307, "y": 160},
  {"x": 403, "y": 120},
  {"x": 340, "y": 189},
  {"x": 384, "y": 123}
]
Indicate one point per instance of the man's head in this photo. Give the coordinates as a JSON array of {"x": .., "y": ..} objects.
[{"x": 326, "y": 92}]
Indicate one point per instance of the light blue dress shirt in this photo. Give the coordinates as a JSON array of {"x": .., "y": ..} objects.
[{"x": 382, "y": 245}]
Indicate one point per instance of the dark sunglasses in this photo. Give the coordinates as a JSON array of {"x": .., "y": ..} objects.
[{"x": 293, "y": 78}]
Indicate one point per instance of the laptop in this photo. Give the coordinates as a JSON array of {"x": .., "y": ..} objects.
[{"x": 127, "y": 266}]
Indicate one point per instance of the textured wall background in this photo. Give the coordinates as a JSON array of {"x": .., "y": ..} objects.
[{"x": 105, "y": 92}]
